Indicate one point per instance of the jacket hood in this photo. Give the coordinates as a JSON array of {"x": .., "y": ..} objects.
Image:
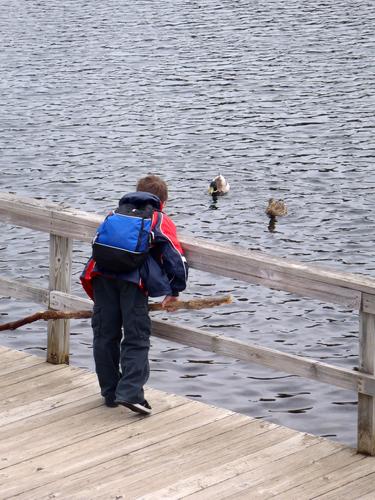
[{"x": 140, "y": 198}]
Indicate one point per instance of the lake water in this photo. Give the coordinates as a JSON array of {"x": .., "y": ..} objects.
[{"x": 278, "y": 97}]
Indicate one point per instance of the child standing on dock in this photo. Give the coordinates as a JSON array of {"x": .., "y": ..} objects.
[{"x": 120, "y": 286}]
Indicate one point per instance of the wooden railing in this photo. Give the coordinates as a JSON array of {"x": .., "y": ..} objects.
[{"x": 351, "y": 290}]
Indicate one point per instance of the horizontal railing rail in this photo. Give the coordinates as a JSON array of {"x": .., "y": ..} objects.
[
  {"x": 355, "y": 291},
  {"x": 234, "y": 262}
]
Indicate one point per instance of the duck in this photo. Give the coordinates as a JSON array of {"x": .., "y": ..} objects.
[
  {"x": 218, "y": 186},
  {"x": 276, "y": 208}
]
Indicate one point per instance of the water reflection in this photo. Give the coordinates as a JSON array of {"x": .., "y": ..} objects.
[
  {"x": 213, "y": 205},
  {"x": 272, "y": 224}
]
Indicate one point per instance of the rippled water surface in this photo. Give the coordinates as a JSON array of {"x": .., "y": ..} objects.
[{"x": 279, "y": 97}]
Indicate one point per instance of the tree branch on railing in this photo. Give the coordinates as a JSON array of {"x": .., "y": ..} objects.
[
  {"x": 45, "y": 315},
  {"x": 172, "y": 306}
]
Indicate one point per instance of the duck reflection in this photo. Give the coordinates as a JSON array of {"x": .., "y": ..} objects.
[
  {"x": 275, "y": 208},
  {"x": 272, "y": 224},
  {"x": 213, "y": 205}
]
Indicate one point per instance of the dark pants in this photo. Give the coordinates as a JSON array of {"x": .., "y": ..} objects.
[{"x": 119, "y": 304}]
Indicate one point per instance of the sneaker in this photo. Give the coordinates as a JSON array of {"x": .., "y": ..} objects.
[
  {"x": 142, "y": 408},
  {"x": 110, "y": 402}
]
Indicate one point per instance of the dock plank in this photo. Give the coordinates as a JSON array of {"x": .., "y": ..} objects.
[
  {"x": 301, "y": 472},
  {"x": 362, "y": 489},
  {"x": 8, "y": 366},
  {"x": 341, "y": 478},
  {"x": 59, "y": 384},
  {"x": 118, "y": 442},
  {"x": 83, "y": 388},
  {"x": 231, "y": 468},
  {"x": 34, "y": 385},
  {"x": 39, "y": 414},
  {"x": 70, "y": 430},
  {"x": 238, "y": 486},
  {"x": 6, "y": 352},
  {"x": 22, "y": 375},
  {"x": 139, "y": 463},
  {"x": 7, "y": 355},
  {"x": 58, "y": 440},
  {"x": 204, "y": 456}
]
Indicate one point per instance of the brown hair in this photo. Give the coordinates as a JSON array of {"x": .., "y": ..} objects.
[{"x": 154, "y": 185}]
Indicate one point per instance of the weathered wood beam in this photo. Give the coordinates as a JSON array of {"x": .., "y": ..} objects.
[
  {"x": 280, "y": 273},
  {"x": 368, "y": 303},
  {"x": 48, "y": 217},
  {"x": 297, "y": 365},
  {"x": 59, "y": 279},
  {"x": 366, "y": 402},
  {"x": 289, "y": 363},
  {"x": 246, "y": 265},
  {"x": 66, "y": 302},
  {"x": 22, "y": 290}
]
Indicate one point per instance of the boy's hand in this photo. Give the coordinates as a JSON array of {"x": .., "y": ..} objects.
[{"x": 168, "y": 300}]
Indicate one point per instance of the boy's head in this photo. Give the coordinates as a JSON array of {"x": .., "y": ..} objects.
[{"x": 154, "y": 185}]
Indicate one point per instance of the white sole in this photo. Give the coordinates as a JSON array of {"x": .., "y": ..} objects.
[{"x": 136, "y": 407}]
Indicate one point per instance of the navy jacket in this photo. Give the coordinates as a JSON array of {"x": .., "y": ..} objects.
[{"x": 165, "y": 270}]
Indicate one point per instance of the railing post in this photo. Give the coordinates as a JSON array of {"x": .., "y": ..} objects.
[
  {"x": 366, "y": 404},
  {"x": 60, "y": 273}
]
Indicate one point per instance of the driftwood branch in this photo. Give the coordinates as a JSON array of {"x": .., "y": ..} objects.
[
  {"x": 192, "y": 304},
  {"x": 46, "y": 315},
  {"x": 172, "y": 306}
]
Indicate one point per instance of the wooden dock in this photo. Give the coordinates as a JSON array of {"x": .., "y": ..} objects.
[{"x": 58, "y": 440}]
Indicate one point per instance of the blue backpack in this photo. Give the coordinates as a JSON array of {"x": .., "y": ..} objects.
[{"x": 122, "y": 241}]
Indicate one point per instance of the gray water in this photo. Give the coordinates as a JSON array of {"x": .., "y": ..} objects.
[{"x": 277, "y": 96}]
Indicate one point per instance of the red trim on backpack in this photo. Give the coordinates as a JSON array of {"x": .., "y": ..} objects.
[{"x": 87, "y": 276}]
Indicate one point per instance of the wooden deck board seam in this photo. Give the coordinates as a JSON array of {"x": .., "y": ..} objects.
[
  {"x": 137, "y": 450},
  {"x": 213, "y": 418},
  {"x": 16, "y": 423},
  {"x": 199, "y": 430},
  {"x": 232, "y": 465},
  {"x": 107, "y": 431},
  {"x": 358, "y": 481},
  {"x": 346, "y": 480},
  {"x": 31, "y": 376},
  {"x": 54, "y": 396},
  {"x": 301, "y": 466}
]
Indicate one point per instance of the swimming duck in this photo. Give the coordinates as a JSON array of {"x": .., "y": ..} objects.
[
  {"x": 276, "y": 208},
  {"x": 218, "y": 186}
]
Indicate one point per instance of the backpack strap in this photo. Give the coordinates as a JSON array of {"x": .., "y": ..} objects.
[{"x": 155, "y": 219}]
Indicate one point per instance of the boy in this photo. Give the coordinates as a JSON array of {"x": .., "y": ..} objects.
[{"x": 121, "y": 301}]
